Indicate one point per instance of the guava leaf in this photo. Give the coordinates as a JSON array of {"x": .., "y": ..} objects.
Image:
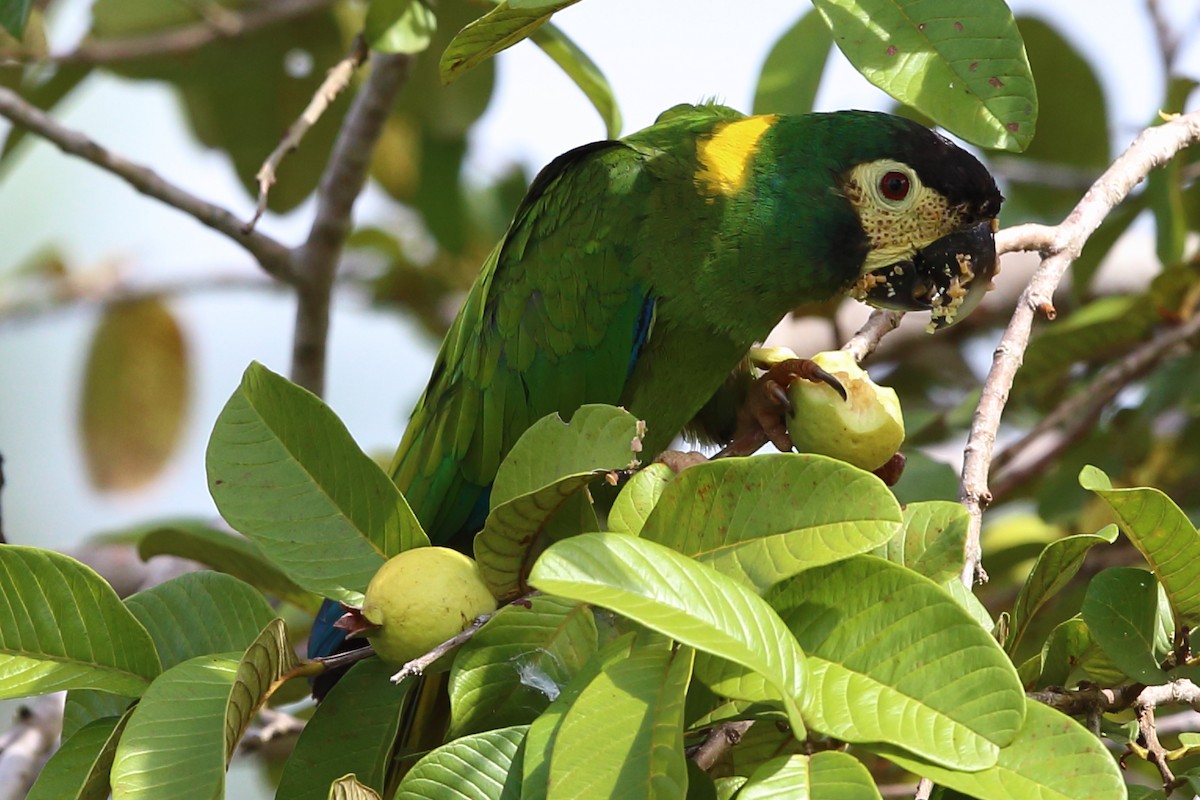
[
  {"x": 483, "y": 766},
  {"x": 63, "y": 627},
  {"x": 499, "y": 29},
  {"x": 638, "y": 497},
  {"x": 348, "y": 787},
  {"x": 399, "y": 26},
  {"x": 79, "y": 769},
  {"x": 1121, "y": 612},
  {"x": 680, "y": 598},
  {"x": 792, "y": 72},
  {"x": 583, "y": 71},
  {"x": 284, "y": 471},
  {"x": 931, "y": 540},
  {"x": 764, "y": 518},
  {"x": 829, "y": 775},
  {"x": 1163, "y": 534}
]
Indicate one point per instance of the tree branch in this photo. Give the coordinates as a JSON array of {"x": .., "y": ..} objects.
[
  {"x": 270, "y": 254},
  {"x": 879, "y": 324},
  {"x": 316, "y": 260},
  {"x": 718, "y": 742},
  {"x": 182, "y": 39},
  {"x": 25, "y": 747},
  {"x": 336, "y": 81},
  {"x": 422, "y": 663},
  {"x": 1060, "y": 247}
]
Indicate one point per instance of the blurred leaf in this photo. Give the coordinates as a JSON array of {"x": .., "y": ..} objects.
[
  {"x": 135, "y": 394},
  {"x": 1164, "y": 536},
  {"x": 638, "y": 497},
  {"x": 931, "y": 540},
  {"x": 1073, "y": 129},
  {"x": 551, "y": 463},
  {"x": 1164, "y": 186},
  {"x": 1070, "y": 654},
  {"x": 1053, "y": 758},
  {"x": 79, "y": 769},
  {"x": 894, "y": 658},
  {"x": 680, "y": 598},
  {"x": 1121, "y": 610},
  {"x": 765, "y": 518},
  {"x": 225, "y": 552},
  {"x": 925, "y": 479},
  {"x": 962, "y": 62},
  {"x": 792, "y": 73},
  {"x": 347, "y": 787},
  {"x": 63, "y": 627},
  {"x": 518, "y": 663},
  {"x": 439, "y": 195},
  {"x": 399, "y": 26},
  {"x": 497, "y": 30},
  {"x": 186, "y": 727},
  {"x": 1053, "y": 570},
  {"x": 583, "y": 71},
  {"x": 829, "y": 775},
  {"x": 623, "y": 735},
  {"x": 483, "y": 766},
  {"x": 13, "y": 16},
  {"x": 361, "y": 717},
  {"x": 200, "y": 613},
  {"x": 283, "y": 470},
  {"x": 1100, "y": 243}
]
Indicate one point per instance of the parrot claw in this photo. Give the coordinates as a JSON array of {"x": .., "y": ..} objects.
[{"x": 763, "y": 417}]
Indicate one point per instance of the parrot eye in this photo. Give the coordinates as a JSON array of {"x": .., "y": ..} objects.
[{"x": 894, "y": 185}]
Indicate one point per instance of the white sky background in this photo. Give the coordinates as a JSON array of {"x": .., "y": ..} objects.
[{"x": 655, "y": 54}]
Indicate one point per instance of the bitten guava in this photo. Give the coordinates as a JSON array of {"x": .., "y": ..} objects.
[
  {"x": 420, "y": 598},
  {"x": 865, "y": 430}
]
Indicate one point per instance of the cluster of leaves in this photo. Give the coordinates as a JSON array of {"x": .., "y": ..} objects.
[{"x": 740, "y": 589}]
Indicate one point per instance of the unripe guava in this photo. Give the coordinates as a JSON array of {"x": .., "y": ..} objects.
[
  {"x": 865, "y": 430},
  {"x": 421, "y": 598}
]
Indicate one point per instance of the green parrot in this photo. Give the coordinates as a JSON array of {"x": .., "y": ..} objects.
[{"x": 639, "y": 272}]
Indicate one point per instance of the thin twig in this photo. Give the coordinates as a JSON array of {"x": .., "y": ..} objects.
[
  {"x": 1076, "y": 414},
  {"x": 273, "y": 256},
  {"x": 316, "y": 261},
  {"x": 176, "y": 41},
  {"x": 275, "y": 725},
  {"x": 718, "y": 742},
  {"x": 336, "y": 81},
  {"x": 1060, "y": 247},
  {"x": 879, "y": 324}
]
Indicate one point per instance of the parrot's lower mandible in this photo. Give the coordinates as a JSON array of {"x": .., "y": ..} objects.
[{"x": 639, "y": 272}]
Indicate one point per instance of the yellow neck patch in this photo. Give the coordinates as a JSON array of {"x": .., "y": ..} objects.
[{"x": 725, "y": 155}]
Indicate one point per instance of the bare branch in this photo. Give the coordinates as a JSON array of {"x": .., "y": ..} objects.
[
  {"x": 718, "y": 742},
  {"x": 25, "y": 747},
  {"x": 273, "y": 256},
  {"x": 336, "y": 81},
  {"x": 1151, "y": 149},
  {"x": 182, "y": 39},
  {"x": 316, "y": 260},
  {"x": 275, "y": 725},
  {"x": 879, "y": 324}
]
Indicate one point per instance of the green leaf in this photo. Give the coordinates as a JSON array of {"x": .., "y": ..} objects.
[
  {"x": 497, "y": 30},
  {"x": 680, "y": 598},
  {"x": 822, "y": 776},
  {"x": 13, "y": 16},
  {"x": 894, "y": 658},
  {"x": 543, "y": 733},
  {"x": 1070, "y": 654},
  {"x": 199, "y": 614},
  {"x": 548, "y": 466},
  {"x": 792, "y": 73},
  {"x": 1121, "y": 612},
  {"x": 347, "y": 787},
  {"x": 283, "y": 470},
  {"x": 225, "y": 552},
  {"x": 1164, "y": 536},
  {"x": 623, "y": 735},
  {"x": 1052, "y": 758},
  {"x": 581, "y": 69},
  {"x": 517, "y": 664},
  {"x": 765, "y": 518},
  {"x": 182, "y": 734},
  {"x": 931, "y": 540},
  {"x": 758, "y": 745},
  {"x": 399, "y": 26},
  {"x": 79, "y": 769},
  {"x": 63, "y": 627},
  {"x": 361, "y": 715},
  {"x": 960, "y": 62},
  {"x": 135, "y": 394},
  {"x": 638, "y": 497},
  {"x": 88, "y": 705},
  {"x": 1053, "y": 570},
  {"x": 483, "y": 766}
]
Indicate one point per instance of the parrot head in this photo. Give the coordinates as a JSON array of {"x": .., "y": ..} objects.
[{"x": 928, "y": 214}]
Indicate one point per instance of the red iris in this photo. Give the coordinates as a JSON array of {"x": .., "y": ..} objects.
[{"x": 894, "y": 185}]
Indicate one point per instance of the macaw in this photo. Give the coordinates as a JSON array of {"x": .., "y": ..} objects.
[{"x": 639, "y": 272}]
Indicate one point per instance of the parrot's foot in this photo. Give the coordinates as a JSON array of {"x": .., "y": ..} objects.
[
  {"x": 763, "y": 417},
  {"x": 678, "y": 461}
]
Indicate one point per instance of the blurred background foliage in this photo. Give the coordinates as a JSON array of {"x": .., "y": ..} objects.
[{"x": 242, "y": 71}]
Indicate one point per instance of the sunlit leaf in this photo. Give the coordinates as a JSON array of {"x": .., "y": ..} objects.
[
  {"x": 79, "y": 769},
  {"x": 637, "y": 498},
  {"x": 135, "y": 394},
  {"x": 399, "y": 26},
  {"x": 483, "y": 766},
  {"x": 63, "y": 627},
  {"x": 347, "y": 787},
  {"x": 822, "y": 776},
  {"x": 931, "y": 540},
  {"x": 793, "y": 70},
  {"x": 497, "y": 30},
  {"x": 960, "y": 62}
]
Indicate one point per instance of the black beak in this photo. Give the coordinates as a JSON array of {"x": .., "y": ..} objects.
[{"x": 947, "y": 278}]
